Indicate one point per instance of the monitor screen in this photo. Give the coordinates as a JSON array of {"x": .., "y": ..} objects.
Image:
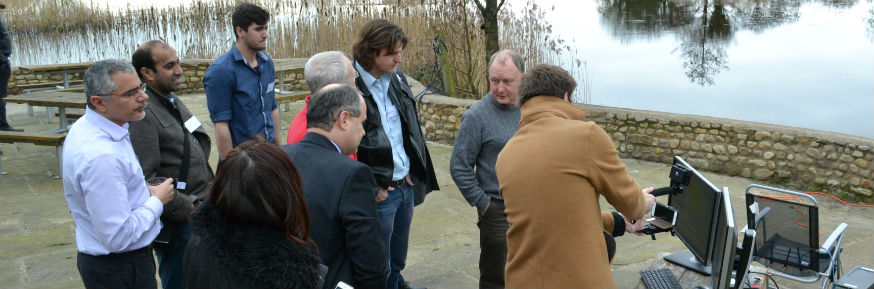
[
  {"x": 724, "y": 244},
  {"x": 696, "y": 208}
]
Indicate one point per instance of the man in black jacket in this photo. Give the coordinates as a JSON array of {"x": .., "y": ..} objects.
[
  {"x": 340, "y": 193},
  {"x": 394, "y": 146},
  {"x": 170, "y": 142}
]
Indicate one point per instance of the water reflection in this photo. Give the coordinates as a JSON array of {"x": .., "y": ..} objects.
[{"x": 704, "y": 28}]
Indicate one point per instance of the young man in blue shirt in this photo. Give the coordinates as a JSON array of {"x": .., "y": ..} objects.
[{"x": 239, "y": 84}]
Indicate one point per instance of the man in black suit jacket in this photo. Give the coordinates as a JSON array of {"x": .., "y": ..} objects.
[{"x": 340, "y": 193}]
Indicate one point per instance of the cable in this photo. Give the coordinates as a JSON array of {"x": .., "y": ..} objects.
[
  {"x": 772, "y": 280},
  {"x": 824, "y": 194},
  {"x": 798, "y": 200},
  {"x": 761, "y": 280},
  {"x": 831, "y": 275},
  {"x": 842, "y": 201}
]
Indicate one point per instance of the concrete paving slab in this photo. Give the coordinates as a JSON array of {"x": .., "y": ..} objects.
[{"x": 37, "y": 247}]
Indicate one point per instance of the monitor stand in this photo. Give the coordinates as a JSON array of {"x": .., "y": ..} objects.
[{"x": 687, "y": 260}]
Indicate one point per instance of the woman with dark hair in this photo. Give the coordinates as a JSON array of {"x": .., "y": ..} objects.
[{"x": 253, "y": 230}]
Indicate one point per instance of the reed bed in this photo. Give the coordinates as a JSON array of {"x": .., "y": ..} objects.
[{"x": 58, "y": 31}]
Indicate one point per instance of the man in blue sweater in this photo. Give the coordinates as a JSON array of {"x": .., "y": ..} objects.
[{"x": 485, "y": 129}]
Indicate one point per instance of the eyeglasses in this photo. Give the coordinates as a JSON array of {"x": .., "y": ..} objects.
[{"x": 130, "y": 93}]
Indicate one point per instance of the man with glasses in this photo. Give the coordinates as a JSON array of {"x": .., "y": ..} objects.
[
  {"x": 115, "y": 211},
  {"x": 239, "y": 84},
  {"x": 170, "y": 142}
]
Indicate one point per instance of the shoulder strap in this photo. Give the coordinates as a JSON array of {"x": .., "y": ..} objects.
[{"x": 182, "y": 178}]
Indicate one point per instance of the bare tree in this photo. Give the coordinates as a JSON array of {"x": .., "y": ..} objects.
[{"x": 489, "y": 12}]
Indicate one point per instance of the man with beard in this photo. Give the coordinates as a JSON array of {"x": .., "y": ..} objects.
[
  {"x": 394, "y": 146},
  {"x": 170, "y": 142},
  {"x": 115, "y": 211},
  {"x": 239, "y": 84}
]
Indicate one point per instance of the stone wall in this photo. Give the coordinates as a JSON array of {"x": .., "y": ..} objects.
[
  {"x": 193, "y": 70},
  {"x": 440, "y": 117},
  {"x": 21, "y": 77},
  {"x": 803, "y": 159}
]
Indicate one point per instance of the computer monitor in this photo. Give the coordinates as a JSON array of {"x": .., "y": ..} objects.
[
  {"x": 696, "y": 209},
  {"x": 724, "y": 244}
]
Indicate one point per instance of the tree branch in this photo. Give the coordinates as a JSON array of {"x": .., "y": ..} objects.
[
  {"x": 500, "y": 5},
  {"x": 480, "y": 5}
]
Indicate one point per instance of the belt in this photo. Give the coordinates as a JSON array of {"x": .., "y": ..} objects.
[
  {"x": 146, "y": 249},
  {"x": 398, "y": 183}
]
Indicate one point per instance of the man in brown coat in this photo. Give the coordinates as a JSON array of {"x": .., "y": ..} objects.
[{"x": 551, "y": 174}]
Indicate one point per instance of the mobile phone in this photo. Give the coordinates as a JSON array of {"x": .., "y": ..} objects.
[
  {"x": 343, "y": 285},
  {"x": 663, "y": 216}
]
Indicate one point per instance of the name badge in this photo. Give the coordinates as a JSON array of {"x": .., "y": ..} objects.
[
  {"x": 192, "y": 124},
  {"x": 391, "y": 112},
  {"x": 270, "y": 86}
]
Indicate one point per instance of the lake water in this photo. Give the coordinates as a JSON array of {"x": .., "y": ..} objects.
[
  {"x": 798, "y": 63},
  {"x": 802, "y": 63}
]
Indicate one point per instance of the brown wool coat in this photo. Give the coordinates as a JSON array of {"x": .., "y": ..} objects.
[{"x": 551, "y": 174}]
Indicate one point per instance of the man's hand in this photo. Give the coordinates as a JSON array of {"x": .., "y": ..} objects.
[
  {"x": 409, "y": 181},
  {"x": 163, "y": 192},
  {"x": 383, "y": 194},
  {"x": 483, "y": 212},
  {"x": 634, "y": 228},
  {"x": 650, "y": 199}
]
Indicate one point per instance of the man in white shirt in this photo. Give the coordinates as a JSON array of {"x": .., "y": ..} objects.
[{"x": 115, "y": 211}]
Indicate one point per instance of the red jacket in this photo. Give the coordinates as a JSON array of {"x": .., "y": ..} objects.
[{"x": 298, "y": 127}]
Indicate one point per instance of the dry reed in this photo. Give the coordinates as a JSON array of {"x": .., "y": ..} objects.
[{"x": 58, "y": 31}]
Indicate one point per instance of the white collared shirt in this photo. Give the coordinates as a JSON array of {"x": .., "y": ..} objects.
[
  {"x": 390, "y": 117},
  {"x": 105, "y": 188}
]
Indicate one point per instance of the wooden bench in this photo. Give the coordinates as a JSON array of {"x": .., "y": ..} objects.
[
  {"x": 287, "y": 97},
  {"x": 72, "y": 114},
  {"x": 72, "y": 89},
  {"x": 44, "y": 139},
  {"x": 47, "y": 99},
  {"x": 48, "y": 85}
]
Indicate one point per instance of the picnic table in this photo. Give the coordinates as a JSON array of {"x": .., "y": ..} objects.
[
  {"x": 59, "y": 99},
  {"x": 284, "y": 65},
  {"x": 65, "y": 69}
]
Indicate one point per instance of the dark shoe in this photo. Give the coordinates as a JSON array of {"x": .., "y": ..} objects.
[
  {"x": 407, "y": 285},
  {"x": 9, "y": 128}
]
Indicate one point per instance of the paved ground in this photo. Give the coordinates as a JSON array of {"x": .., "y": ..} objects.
[{"x": 37, "y": 247}]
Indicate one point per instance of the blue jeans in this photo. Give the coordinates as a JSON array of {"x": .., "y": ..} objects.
[
  {"x": 395, "y": 214},
  {"x": 170, "y": 255}
]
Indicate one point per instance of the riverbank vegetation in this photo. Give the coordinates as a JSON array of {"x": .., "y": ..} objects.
[{"x": 299, "y": 28}]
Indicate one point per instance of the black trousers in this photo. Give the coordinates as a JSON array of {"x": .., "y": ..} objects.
[
  {"x": 134, "y": 269},
  {"x": 5, "y": 73},
  {"x": 493, "y": 245},
  {"x": 611, "y": 246}
]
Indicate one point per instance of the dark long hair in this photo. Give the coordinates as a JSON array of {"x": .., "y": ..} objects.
[
  {"x": 256, "y": 184},
  {"x": 375, "y": 35}
]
